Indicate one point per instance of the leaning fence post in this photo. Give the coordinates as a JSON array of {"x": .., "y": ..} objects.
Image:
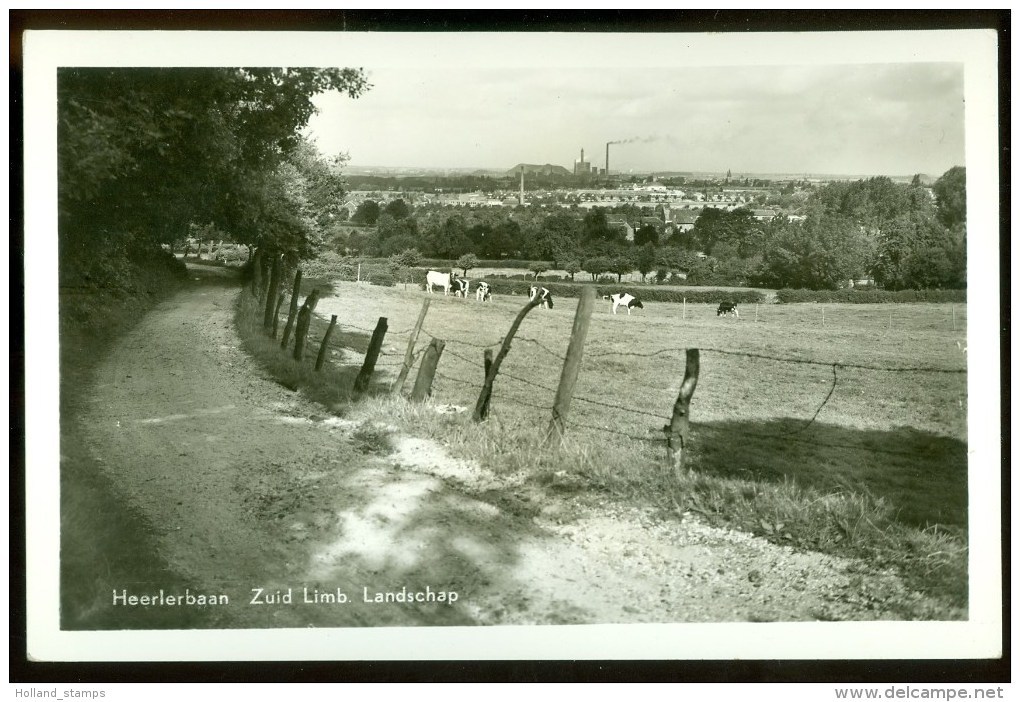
[
  {"x": 678, "y": 430},
  {"x": 405, "y": 368},
  {"x": 487, "y": 365},
  {"x": 427, "y": 370},
  {"x": 304, "y": 320},
  {"x": 292, "y": 315},
  {"x": 571, "y": 366},
  {"x": 368, "y": 367},
  {"x": 325, "y": 345},
  {"x": 483, "y": 397}
]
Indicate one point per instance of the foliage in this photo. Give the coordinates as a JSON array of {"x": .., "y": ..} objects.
[
  {"x": 385, "y": 279},
  {"x": 538, "y": 268},
  {"x": 144, "y": 152},
  {"x": 397, "y": 209},
  {"x": 854, "y": 295},
  {"x": 467, "y": 262},
  {"x": 951, "y": 197},
  {"x": 366, "y": 213},
  {"x": 408, "y": 258},
  {"x": 824, "y": 252}
]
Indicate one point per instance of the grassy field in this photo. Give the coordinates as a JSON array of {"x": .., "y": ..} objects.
[{"x": 845, "y": 434}]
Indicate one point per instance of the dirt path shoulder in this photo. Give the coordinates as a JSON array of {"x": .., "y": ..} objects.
[{"x": 259, "y": 496}]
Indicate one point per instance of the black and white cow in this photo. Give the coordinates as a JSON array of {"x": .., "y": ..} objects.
[
  {"x": 442, "y": 280},
  {"x": 727, "y": 308},
  {"x": 542, "y": 294},
  {"x": 483, "y": 292},
  {"x": 460, "y": 286},
  {"x": 623, "y": 299}
]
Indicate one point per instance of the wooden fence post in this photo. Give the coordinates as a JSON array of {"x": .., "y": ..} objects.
[
  {"x": 256, "y": 271},
  {"x": 487, "y": 365},
  {"x": 276, "y": 313},
  {"x": 571, "y": 366},
  {"x": 405, "y": 368},
  {"x": 324, "y": 347},
  {"x": 368, "y": 367},
  {"x": 427, "y": 371},
  {"x": 483, "y": 397},
  {"x": 275, "y": 273},
  {"x": 292, "y": 315},
  {"x": 678, "y": 430},
  {"x": 304, "y": 319}
]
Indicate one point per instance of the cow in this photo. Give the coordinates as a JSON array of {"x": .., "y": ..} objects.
[
  {"x": 460, "y": 286},
  {"x": 541, "y": 294},
  {"x": 727, "y": 308},
  {"x": 623, "y": 299},
  {"x": 483, "y": 292},
  {"x": 443, "y": 280}
]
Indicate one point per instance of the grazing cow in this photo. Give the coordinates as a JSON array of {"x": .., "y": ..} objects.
[
  {"x": 542, "y": 294},
  {"x": 443, "y": 280},
  {"x": 623, "y": 299},
  {"x": 460, "y": 286},
  {"x": 483, "y": 292},
  {"x": 727, "y": 308}
]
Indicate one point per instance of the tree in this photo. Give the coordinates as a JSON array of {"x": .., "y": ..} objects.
[
  {"x": 596, "y": 266},
  {"x": 467, "y": 262},
  {"x": 620, "y": 264},
  {"x": 646, "y": 233},
  {"x": 397, "y": 209},
  {"x": 366, "y": 213},
  {"x": 645, "y": 260},
  {"x": 596, "y": 226},
  {"x": 572, "y": 266},
  {"x": 917, "y": 252},
  {"x": 951, "y": 197},
  {"x": 538, "y": 268},
  {"x": 822, "y": 253},
  {"x": 144, "y": 152},
  {"x": 408, "y": 258}
]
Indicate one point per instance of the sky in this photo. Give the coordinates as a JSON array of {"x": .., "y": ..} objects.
[{"x": 865, "y": 119}]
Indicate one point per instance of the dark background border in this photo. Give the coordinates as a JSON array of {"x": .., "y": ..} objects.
[{"x": 591, "y": 21}]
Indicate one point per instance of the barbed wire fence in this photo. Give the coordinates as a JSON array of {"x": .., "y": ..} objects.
[{"x": 654, "y": 435}]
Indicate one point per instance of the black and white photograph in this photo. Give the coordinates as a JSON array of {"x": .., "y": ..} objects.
[{"x": 497, "y": 345}]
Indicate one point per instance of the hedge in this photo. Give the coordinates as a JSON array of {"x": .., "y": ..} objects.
[
  {"x": 438, "y": 264},
  {"x": 646, "y": 293},
  {"x": 788, "y": 296}
]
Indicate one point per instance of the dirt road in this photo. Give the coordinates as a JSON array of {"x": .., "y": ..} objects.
[{"x": 266, "y": 499}]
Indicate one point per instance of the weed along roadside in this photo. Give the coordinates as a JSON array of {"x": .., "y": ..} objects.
[{"x": 833, "y": 484}]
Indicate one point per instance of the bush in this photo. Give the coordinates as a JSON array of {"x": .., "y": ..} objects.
[
  {"x": 384, "y": 278},
  {"x": 232, "y": 255},
  {"x": 869, "y": 296}
]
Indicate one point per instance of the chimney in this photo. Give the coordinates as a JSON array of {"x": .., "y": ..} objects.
[
  {"x": 522, "y": 185},
  {"x": 607, "y": 157}
]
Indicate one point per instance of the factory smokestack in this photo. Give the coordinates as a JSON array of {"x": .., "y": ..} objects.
[
  {"x": 522, "y": 185},
  {"x": 607, "y": 157}
]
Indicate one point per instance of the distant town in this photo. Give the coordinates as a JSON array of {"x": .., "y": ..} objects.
[{"x": 673, "y": 200}]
